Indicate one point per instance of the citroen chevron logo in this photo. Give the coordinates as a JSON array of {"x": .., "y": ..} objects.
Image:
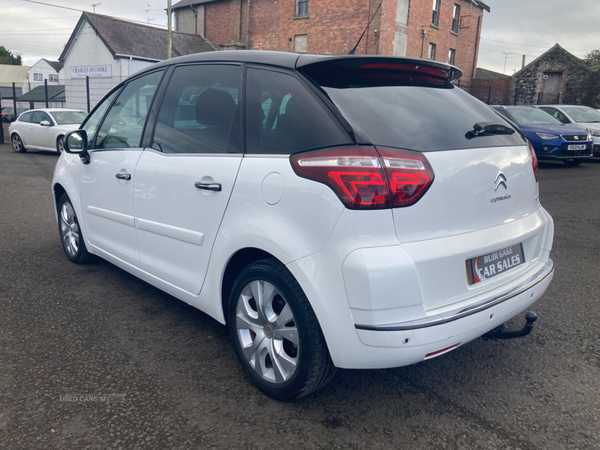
[{"x": 500, "y": 181}]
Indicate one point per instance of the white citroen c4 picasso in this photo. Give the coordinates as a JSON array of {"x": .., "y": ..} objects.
[{"x": 333, "y": 211}]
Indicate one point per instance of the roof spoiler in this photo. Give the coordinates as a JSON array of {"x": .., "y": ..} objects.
[{"x": 352, "y": 61}]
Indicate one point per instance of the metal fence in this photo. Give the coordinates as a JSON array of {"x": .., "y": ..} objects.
[{"x": 76, "y": 93}]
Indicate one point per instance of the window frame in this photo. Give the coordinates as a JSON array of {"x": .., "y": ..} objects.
[
  {"x": 435, "y": 15},
  {"x": 38, "y": 77},
  {"x": 455, "y": 18},
  {"x": 431, "y": 51},
  {"x": 300, "y": 5},
  {"x": 53, "y": 77},
  {"x": 451, "y": 56}
]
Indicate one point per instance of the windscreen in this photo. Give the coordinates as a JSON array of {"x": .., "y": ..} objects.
[
  {"x": 582, "y": 114},
  {"x": 407, "y": 106},
  {"x": 68, "y": 117},
  {"x": 532, "y": 116}
]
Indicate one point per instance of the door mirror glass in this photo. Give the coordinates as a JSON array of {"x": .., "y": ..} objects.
[
  {"x": 76, "y": 142},
  {"x": 45, "y": 123}
]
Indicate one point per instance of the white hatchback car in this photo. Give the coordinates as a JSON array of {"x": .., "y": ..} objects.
[
  {"x": 333, "y": 211},
  {"x": 44, "y": 129}
]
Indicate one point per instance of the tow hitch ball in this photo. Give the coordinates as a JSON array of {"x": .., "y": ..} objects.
[{"x": 502, "y": 332}]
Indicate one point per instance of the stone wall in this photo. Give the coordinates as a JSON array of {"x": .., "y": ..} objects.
[{"x": 574, "y": 84}]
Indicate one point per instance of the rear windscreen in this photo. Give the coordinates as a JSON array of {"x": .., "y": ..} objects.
[{"x": 407, "y": 107}]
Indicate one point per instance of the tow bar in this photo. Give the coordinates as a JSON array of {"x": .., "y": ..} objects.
[{"x": 501, "y": 332}]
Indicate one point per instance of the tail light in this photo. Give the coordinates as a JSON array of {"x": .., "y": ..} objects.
[
  {"x": 368, "y": 178},
  {"x": 534, "y": 160}
]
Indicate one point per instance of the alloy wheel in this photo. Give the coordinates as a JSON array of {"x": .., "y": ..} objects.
[{"x": 17, "y": 144}]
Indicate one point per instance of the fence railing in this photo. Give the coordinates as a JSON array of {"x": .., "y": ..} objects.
[{"x": 76, "y": 93}]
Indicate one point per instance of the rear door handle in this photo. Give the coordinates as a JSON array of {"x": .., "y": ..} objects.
[
  {"x": 123, "y": 176},
  {"x": 209, "y": 186}
]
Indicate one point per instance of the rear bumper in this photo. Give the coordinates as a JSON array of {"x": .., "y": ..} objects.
[
  {"x": 402, "y": 347},
  {"x": 460, "y": 313}
]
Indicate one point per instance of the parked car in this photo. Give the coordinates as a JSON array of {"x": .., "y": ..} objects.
[
  {"x": 549, "y": 137},
  {"x": 8, "y": 113},
  {"x": 333, "y": 211},
  {"x": 44, "y": 129},
  {"x": 582, "y": 116}
]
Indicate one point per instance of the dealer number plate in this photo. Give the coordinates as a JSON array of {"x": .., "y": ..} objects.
[
  {"x": 487, "y": 266},
  {"x": 577, "y": 147}
]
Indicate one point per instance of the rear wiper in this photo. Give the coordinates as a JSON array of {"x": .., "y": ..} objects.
[{"x": 487, "y": 128}]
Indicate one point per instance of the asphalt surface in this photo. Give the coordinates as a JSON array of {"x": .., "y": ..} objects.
[{"x": 174, "y": 381}]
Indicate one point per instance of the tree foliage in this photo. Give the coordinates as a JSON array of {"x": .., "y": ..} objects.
[
  {"x": 593, "y": 58},
  {"x": 6, "y": 57}
]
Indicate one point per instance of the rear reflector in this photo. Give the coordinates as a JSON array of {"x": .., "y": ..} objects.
[
  {"x": 368, "y": 178},
  {"x": 534, "y": 161},
  {"x": 441, "y": 352}
]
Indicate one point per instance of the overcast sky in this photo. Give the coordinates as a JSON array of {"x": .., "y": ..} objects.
[{"x": 516, "y": 27}]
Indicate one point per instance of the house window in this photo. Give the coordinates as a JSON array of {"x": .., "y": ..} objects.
[
  {"x": 436, "y": 13},
  {"x": 38, "y": 77},
  {"x": 53, "y": 77},
  {"x": 302, "y": 7},
  {"x": 451, "y": 55},
  {"x": 455, "y": 18},
  {"x": 431, "y": 54},
  {"x": 300, "y": 43}
]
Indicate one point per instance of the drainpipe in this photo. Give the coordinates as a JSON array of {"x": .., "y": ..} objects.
[
  {"x": 169, "y": 30},
  {"x": 477, "y": 39},
  {"x": 248, "y": 27},
  {"x": 129, "y": 69}
]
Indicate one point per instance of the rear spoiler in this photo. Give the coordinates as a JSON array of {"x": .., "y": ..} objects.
[{"x": 351, "y": 61}]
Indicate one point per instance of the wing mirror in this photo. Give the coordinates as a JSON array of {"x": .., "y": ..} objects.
[
  {"x": 45, "y": 123},
  {"x": 76, "y": 143}
]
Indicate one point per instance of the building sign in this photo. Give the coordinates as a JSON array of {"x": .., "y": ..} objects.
[{"x": 91, "y": 71}]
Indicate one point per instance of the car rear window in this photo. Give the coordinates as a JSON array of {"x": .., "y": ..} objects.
[{"x": 407, "y": 106}]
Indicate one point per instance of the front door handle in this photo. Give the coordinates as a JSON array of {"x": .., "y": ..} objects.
[
  {"x": 123, "y": 176},
  {"x": 209, "y": 186}
]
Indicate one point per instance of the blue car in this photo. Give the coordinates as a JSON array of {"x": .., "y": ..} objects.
[{"x": 548, "y": 136}]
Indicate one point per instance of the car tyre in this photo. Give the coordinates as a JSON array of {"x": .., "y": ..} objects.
[
  {"x": 60, "y": 144},
  {"x": 70, "y": 232},
  {"x": 275, "y": 332},
  {"x": 573, "y": 162},
  {"x": 17, "y": 143}
]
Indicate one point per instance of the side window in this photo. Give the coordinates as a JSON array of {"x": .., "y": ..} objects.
[
  {"x": 91, "y": 124},
  {"x": 199, "y": 113},
  {"x": 26, "y": 117},
  {"x": 124, "y": 124},
  {"x": 282, "y": 117},
  {"x": 556, "y": 114},
  {"x": 39, "y": 116}
]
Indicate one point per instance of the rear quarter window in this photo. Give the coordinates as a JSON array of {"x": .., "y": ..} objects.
[{"x": 283, "y": 117}]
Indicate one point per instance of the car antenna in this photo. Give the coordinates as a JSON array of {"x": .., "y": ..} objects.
[{"x": 351, "y": 52}]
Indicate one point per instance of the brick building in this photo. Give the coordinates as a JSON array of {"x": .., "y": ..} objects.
[
  {"x": 494, "y": 88},
  {"x": 443, "y": 30}
]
